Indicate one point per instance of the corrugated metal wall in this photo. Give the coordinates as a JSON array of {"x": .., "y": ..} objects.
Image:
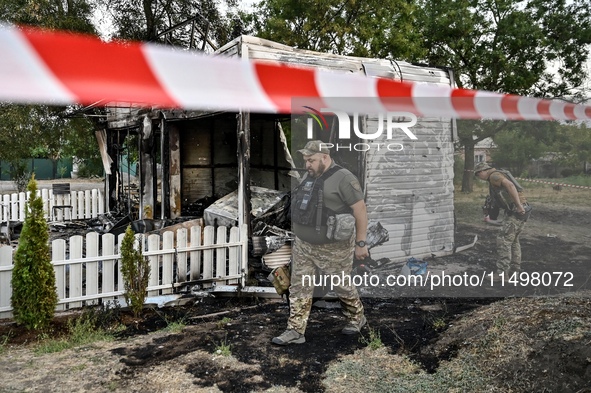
[{"x": 411, "y": 191}]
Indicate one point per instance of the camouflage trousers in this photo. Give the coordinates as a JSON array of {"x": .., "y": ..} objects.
[
  {"x": 508, "y": 246},
  {"x": 331, "y": 259}
]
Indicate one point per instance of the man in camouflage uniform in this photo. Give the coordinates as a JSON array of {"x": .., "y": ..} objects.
[
  {"x": 312, "y": 249},
  {"x": 507, "y": 196}
]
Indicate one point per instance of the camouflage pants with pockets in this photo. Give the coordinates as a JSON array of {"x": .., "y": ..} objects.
[
  {"x": 508, "y": 246},
  {"x": 332, "y": 259}
]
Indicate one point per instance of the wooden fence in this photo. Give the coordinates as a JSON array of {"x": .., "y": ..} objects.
[
  {"x": 88, "y": 269},
  {"x": 85, "y": 204}
]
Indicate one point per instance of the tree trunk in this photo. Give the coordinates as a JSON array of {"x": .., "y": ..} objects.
[
  {"x": 468, "y": 178},
  {"x": 150, "y": 23}
]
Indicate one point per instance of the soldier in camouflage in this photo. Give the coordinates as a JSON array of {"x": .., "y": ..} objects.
[
  {"x": 312, "y": 249},
  {"x": 507, "y": 194}
]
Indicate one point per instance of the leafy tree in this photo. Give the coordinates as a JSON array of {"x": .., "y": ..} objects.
[
  {"x": 509, "y": 46},
  {"x": 34, "y": 296},
  {"x": 39, "y": 130},
  {"x": 144, "y": 20},
  {"x": 72, "y": 15},
  {"x": 519, "y": 143},
  {"x": 370, "y": 28},
  {"x": 572, "y": 146},
  {"x": 136, "y": 272}
]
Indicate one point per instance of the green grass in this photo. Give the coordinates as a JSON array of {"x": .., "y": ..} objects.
[
  {"x": 439, "y": 323},
  {"x": 373, "y": 340},
  {"x": 221, "y": 324},
  {"x": 82, "y": 331},
  {"x": 4, "y": 342},
  {"x": 223, "y": 348},
  {"x": 112, "y": 386},
  {"x": 175, "y": 327}
]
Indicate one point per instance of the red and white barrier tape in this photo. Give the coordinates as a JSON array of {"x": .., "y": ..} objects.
[
  {"x": 56, "y": 67},
  {"x": 556, "y": 184}
]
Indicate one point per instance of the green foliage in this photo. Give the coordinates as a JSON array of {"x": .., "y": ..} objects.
[
  {"x": 136, "y": 272},
  {"x": 221, "y": 324},
  {"x": 82, "y": 331},
  {"x": 68, "y": 15},
  {"x": 39, "y": 130},
  {"x": 20, "y": 174},
  {"x": 508, "y": 46},
  {"x": 439, "y": 324},
  {"x": 4, "y": 341},
  {"x": 91, "y": 167},
  {"x": 572, "y": 145},
  {"x": 223, "y": 348},
  {"x": 521, "y": 142},
  {"x": 143, "y": 20},
  {"x": 373, "y": 341},
  {"x": 576, "y": 180},
  {"x": 370, "y": 28},
  {"x": 34, "y": 296}
]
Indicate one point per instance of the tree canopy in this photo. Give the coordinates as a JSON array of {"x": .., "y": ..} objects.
[
  {"x": 527, "y": 47},
  {"x": 39, "y": 130},
  {"x": 145, "y": 20},
  {"x": 369, "y": 28}
]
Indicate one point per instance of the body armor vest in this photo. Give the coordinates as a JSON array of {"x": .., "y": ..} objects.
[
  {"x": 307, "y": 202},
  {"x": 502, "y": 196}
]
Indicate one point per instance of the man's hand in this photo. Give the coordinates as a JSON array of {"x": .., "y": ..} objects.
[
  {"x": 520, "y": 210},
  {"x": 361, "y": 252}
]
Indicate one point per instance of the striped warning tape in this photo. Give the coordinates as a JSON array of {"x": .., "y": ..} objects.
[
  {"x": 62, "y": 68},
  {"x": 556, "y": 184}
]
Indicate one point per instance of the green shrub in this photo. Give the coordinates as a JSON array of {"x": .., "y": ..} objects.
[
  {"x": 34, "y": 296},
  {"x": 136, "y": 272},
  {"x": 91, "y": 167},
  {"x": 374, "y": 341},
  {"x": 20, "y": 174}
]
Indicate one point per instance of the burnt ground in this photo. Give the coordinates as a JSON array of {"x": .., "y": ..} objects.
[{"x": 456, "y": 343}]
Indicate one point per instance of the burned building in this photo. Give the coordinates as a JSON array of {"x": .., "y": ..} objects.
[{"x": 208, "y": 154}]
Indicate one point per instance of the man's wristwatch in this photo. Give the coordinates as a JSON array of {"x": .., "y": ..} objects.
[{"x": 360, "y": 243}]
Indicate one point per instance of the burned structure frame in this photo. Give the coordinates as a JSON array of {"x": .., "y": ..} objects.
[{"x": 210, "y": 154}]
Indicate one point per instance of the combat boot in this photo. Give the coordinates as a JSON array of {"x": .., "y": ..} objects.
[
  {"x": 290, "y": 336},
  {"x": 354, "y": 327}
]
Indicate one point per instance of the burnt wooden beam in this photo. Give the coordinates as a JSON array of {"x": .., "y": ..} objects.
[
  {"x": 243, "y": 152},
  {"x": 146, "y": 146},
  {"x": 175, "y": 170},
  {"x": 165, "y": 167},
  {"x": 275, "y": 154},
  {"x": 111, "y": 180}
]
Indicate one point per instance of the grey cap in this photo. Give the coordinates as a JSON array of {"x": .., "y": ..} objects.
[{"x": 314, "y": 147}]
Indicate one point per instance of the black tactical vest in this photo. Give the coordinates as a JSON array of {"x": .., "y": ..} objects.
[{"x": 307, "y": 201}]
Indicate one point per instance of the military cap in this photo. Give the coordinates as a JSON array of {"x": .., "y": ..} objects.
[
  {"x": 314, "y": 147},
  {"x": 481, "y": 166}
]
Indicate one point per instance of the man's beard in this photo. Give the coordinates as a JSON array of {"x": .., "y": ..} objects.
[{"x": 321, "y": 169}]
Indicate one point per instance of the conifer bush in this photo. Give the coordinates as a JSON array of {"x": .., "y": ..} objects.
[
  {"x": 136, "y": 272},
  {"x": 34, "y": 296}
]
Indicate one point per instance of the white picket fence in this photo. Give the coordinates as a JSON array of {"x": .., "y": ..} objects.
[
  {"x": 85, "y": 204},
  {"x": 88, "y": 269}
]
